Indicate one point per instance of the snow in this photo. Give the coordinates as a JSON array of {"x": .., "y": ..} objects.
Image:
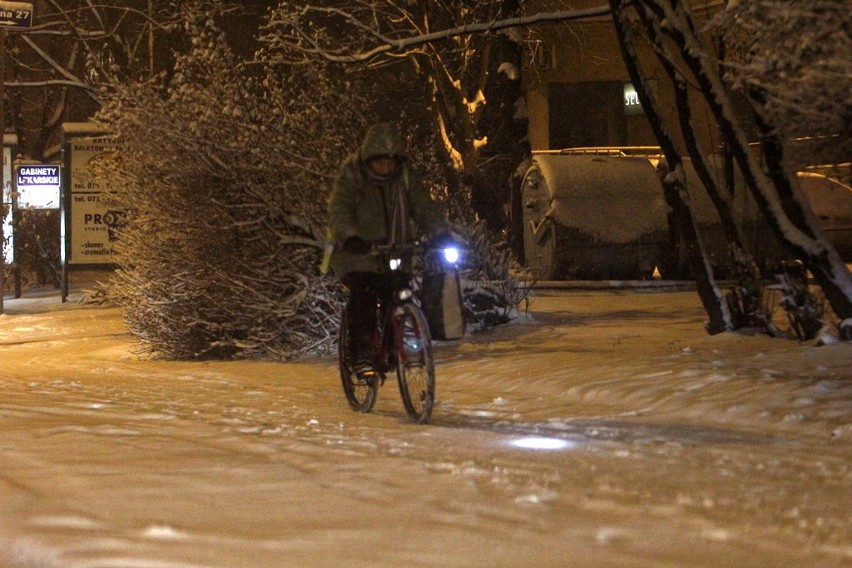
[
  {"x": 630, "y": 187},
  {"x": 83, "y": 128},
  {"x": 510, "y": 70},
  {"x": 604, "y": 429}
]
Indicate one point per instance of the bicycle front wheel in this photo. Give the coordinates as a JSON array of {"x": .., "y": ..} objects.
[
  {"x": 415, "y": 368},
  {"x": 360, "y": 394}
]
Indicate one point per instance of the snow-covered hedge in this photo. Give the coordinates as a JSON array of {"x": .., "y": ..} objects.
[
  {"x": 225, "y": 176},
  {"x": 494, "y": 288},
  {"x": 225, "y": 180}
]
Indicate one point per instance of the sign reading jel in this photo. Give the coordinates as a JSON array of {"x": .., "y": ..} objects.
[{"x": 16, "y": 15}]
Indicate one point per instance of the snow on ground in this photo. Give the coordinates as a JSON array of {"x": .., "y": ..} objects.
[{"x": 606, "y": 429}]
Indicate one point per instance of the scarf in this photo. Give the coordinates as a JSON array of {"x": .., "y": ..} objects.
[{"x": 400, "y": 229}]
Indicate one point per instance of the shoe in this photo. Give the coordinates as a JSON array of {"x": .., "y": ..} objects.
[{"x": 364, "y": 372}]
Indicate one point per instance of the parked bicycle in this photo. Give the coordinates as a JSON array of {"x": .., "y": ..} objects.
[{"x": 402, "y": 342}]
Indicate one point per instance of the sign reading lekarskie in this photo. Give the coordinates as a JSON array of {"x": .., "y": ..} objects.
[{"x": 38, "y": 186}]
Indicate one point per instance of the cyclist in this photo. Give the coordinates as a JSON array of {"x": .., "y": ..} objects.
[{"x": 376, "y": 196}]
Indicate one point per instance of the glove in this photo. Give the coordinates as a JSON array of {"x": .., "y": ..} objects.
[{"x": 356, "y": 245}]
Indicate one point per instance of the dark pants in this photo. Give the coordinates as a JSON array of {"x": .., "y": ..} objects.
[{"x": 366, "y": 289}]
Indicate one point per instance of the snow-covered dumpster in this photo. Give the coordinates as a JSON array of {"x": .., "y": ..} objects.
[
  {"x": 831, "y": 201},
  {"x": 602, "y": 215},
  {"x": 593, "y": 217},
  {"x": 754, "y": 230}
]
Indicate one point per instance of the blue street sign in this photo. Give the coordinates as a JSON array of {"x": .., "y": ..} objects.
[{"x": 38, "y": 186}]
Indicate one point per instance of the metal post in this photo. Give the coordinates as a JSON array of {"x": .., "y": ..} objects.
[
  {"x": 16, "y": 15},
  {"x": 3, "y": 150},
  {"x": 151, "y": 37}
]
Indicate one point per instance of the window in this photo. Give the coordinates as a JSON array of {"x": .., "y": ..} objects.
[{"x": 587, "y": 114}]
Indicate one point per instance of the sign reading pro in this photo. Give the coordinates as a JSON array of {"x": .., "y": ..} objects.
[{"x": 91, "y": 222}]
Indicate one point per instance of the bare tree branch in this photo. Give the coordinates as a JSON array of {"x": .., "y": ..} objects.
[
  {"x": 387, "y": 45},
  {"x": 70, "y": 79},
  {"x": 52, "y": 83}
]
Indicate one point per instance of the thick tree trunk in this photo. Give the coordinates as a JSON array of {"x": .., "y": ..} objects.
[
  {"x": 673, "y": 186},
  {"x": 825, "y": 264},
  {"x": 745, "y": 298},
  {"x": 787, "y": 212}
]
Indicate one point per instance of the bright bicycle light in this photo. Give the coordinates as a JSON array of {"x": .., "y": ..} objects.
[
  {"x": 395, "y": 263},
  {"x": 451, "y": 255}
]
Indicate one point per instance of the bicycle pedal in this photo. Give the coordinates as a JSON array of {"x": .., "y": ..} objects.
[{"x": 365, "y": 374}]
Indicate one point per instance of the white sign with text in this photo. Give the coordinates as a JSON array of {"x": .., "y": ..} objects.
[{"x": 93, "y": 222}]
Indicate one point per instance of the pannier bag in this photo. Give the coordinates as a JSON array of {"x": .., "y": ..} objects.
[{"x": 441, "y": 300}]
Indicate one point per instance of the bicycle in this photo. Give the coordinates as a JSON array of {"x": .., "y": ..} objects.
[{"x": 402, "y": 342}]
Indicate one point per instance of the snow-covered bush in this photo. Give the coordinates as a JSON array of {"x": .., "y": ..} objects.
[
  {"x": 224, "y": 176},
  {"x": 804, "y": 309},
  {"x": 37, "y": 254},
  {"x": 492, "y": 290},
  {"x": 225, "y": 180},
  {"x": 792, "y": 59}
]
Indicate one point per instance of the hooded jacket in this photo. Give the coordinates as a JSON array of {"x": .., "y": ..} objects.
[{"x": 363, "y": 205}]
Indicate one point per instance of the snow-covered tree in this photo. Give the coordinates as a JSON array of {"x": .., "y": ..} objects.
[
  {"x": 54, "y": 69},
  {"x": 792, "y": 60},
  {"x": 225, "y": 179},
  {"x": 53, "y": 74},
  {"x": 672, "y": 30},
  {"x": 470, "y": 82}
]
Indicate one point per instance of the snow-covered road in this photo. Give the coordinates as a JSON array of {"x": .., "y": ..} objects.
[{"x": 662, "y": 447}]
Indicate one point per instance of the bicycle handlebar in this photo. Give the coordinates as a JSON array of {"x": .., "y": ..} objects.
[
  {"x": 450, "y": 254},
  {"x": 381, "y": 249}
]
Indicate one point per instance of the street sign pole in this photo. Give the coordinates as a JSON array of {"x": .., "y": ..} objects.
[
  {"x": 3, "y": 166},
  {"x": 13, "y": 15}
]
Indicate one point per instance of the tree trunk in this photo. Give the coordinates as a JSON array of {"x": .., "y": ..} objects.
[
  {"x": 825, "y": 264},
  {"x": 745, "y": 298},
  {"x": 673, "y": 188},
  {"x": 787, "y": 212}
]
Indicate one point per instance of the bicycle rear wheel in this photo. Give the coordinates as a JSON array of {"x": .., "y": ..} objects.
[
  {"x": 360, "y": 394},
  {"x": 415, "y": 368}
]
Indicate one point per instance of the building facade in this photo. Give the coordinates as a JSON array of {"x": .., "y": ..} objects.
[{"x": 578, "y": 90}]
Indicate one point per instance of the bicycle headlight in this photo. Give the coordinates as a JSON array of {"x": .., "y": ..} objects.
[
  {"x": 451, "y": 255},
  {"x": 395, "y": 263}
]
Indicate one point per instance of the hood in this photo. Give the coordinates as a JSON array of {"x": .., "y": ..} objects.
[{"x": 382, "y": 139}]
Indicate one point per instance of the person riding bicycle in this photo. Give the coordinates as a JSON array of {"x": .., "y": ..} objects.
[{"x": 376, "y": 196}]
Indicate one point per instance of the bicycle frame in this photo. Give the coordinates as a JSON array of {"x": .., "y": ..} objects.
[
  {"x": 388, "y": 340},
  {"x": 398, "y": 317}
]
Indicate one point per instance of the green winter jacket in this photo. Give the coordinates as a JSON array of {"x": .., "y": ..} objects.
[{"x": 362, "y": 206}]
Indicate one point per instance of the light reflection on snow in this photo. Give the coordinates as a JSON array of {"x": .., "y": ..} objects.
[
  {"x": 572, "y": 431},
  {"x": 163, "y": 532},
  {"x": 543, "y": 443}
]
